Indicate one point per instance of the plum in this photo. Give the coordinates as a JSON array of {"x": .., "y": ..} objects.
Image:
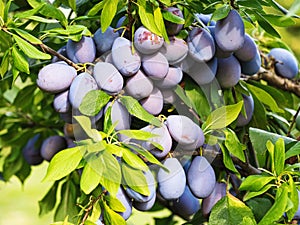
[
  {"x": 144, "y": 206},
  {"x": 186, "y": 205},
  {"x": 163, "y": 138},
  {"x": 83, "y": 51},
  {"x": 249, "y": 109},
  {"x": 139, "y": 86},
  {"x": 251, "y": 67},
  {"x": 126, "y": 202},
  {"x": 155, "y": 66},
  {"x": 137, "y": 197},
  {"x": 201, "y": 177},
  {"x": 52, "y": 145},
  {"x": 127, "y": 61},
  {"x": 209, "y": 202},
  {"x": 108, "y": 77},
  {"x": 201, "y": 45},
  {"x": 173, "y": 77},
  {"x": 174, "y": 28},
  {"x": 183, "y": 129},
  {"x": 230, "y": 32},
  {"x": 171, "y": 184},
  {"x": 169, "y": 96},
  {"x": 147, "y": 42},
  {"x": 80, "y": 86},
  {"x": 286, "y": 64},
  {"x": 31, "y": 152},
  {"x": 104, "y": 41},
  {"x": 198, "y": 143},
  {"x": 56, "y": 77},
  {"x": 248, "y": 50},
  {"x": 175, "y": 51},
  {"x": 61, "y": 102},
  {"x": 119, "y": 115},
  {"x": 228, "y": 72},
  {"x": 62, "y": 51},
  {"x": 153, "y": 104},
  {"x": 206, "y": 19}
]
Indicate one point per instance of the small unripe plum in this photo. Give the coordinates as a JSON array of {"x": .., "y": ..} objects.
[
  {"x": 248, "y": 50},
  {"x": 154, "y": 103},
  {"x": 230, "y": 32},
  {"x": 155, "y": 66},
  {"x": 80, "y": 86},
  {"x": 201, "y": 177},
  {"x": 186, "y": 205},
  {"x": 175, "y": 51},
  {"x": 171, "y": 184},
  {"x": 145, "y": 206},
  {"x": 108, "y": 77},
  {"x": 83, "y": 51},
  {"x": 174, "y": 28},
  {"x": 104, "y": 41},
  {"x": 151, "y": 185},
  {"x": 61, "y": 102},
  {"x": 228, "y": 72},
  {"x": 249, "y": 109},
  {"x": 52, "y": 145},
  {"x": 125, "y": 60},
  {"x": 173, "y": 77},
  {"x": 139, "y": 86},
  {"x": 209, "y": 202},
  {"x": 56, "y": 77},
  {"x": 183, "y": 129},
  {"x": 201, "y": 45},
  {"x": 251, "y": 67},
  {"x": 163, "y": 138},
  {"x": 147, "y": 42},
  {"x": 31, "y": 152},
  {"x": 286, "y": 64}
]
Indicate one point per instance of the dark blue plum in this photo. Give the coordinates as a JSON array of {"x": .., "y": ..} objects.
[
  {"x": 83, "y": 51},
  {"x": 248, "y": 50},
  {"x": 230, "y": 32},
  {"x": 126, "y": 202},
  {"x": 201, "y": 177},
  {"x": 228, "y": 72},
  {"x": 31, "y": 152},
  {"x": 61, "y": 102},
  {"x": 251, "y": 67},
  {"x": 104, "y": 41},
  {"x": 154, "y": 103},
  {"x": 173, "y": 77},
  {"x": 52, "y": 145},
  {"x": 62, "y": 51},
  {"x": 286, "y": 64},
  {"x": 155, "y": 66},
  {"x": 206, "y": 19},
  {"x": 173, "y": 28},
  {"x": 249, "y": 109},
  {"x": 144, "y": 206}
]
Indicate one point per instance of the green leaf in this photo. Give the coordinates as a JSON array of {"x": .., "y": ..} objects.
[
  {"x": 93, "y": 102},
  {"x": 111, "y": 217},
  {"x": 135, "y": 109},
  {"x": 221, "y": 12},
  {"x": 2, "y": 5},
  {"x": 67, "y": 205},
  {"x": 72, "y": 4},
  {"x": 96, "y": 8},
  {"x": 159, "y": 22},
  {"x": 49, "y": 10},
  {"x": 252, "y": 194},
  {"x": 86, "y": 125},
  {"x": 172, "y": 17},
  {"x": 293, "y": 151},
  {"x": 182, "y": 95},
  {"x": 265, "y": 98},
  {"x": 146, "y": 15},
  {"x": 233, "y": 145},
  {"x": 255, "y": 182},
  {"x": 294, "y": 197},
  {"x": 279, "y": 156},
  {"x": 294, "y": 9},
  {"x": 107, "y": 123},
  {"x": 255, "y": 4},
  {"x": 135, "y": 179},
  {"x": 114, "y": 203},
  {"x": 133, "y": 160},
  {"x": 90, "y": 177},
  {"x": 279, "y": 21},
  {"x": 111, "y": 176},
  {"x": 137, "y": 134},
  {"x": 63, "y": 163},
  {"x": 20, "y": 62},
  {"x": 231, "y": 211},
  {"x": 108, "y": 13},
  {"x": 4, "y": 64},
  {"x": 48, "y": 202},
  {"x": 278, "y": 207},
  {"x": 259, "y": 118},
  {"x": 6, "y": 10},
  {"x": 223, "y": 116},
  {"x": 27, "y": 36},
  {"x": 29, "y": 49},
  {"x": 227, "y": 160},
  {"x": 96, "y": 213},
  {"x": 263, "y": 22},
  {"x": 197, "y": 97},
  {"x": 271, "y": 150},
  {"x": 259, "y": 206}
]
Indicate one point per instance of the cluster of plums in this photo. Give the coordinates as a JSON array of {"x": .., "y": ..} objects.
[{"x": 148, "y": 69}]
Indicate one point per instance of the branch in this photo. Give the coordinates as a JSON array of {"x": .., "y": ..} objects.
[{"x": 275, "y": 80}]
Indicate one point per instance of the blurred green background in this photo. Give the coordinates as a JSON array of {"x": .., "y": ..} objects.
[{"x": 19, "y": 203}]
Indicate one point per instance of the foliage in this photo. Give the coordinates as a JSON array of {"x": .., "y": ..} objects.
[{"x": 262, "y": 156}]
